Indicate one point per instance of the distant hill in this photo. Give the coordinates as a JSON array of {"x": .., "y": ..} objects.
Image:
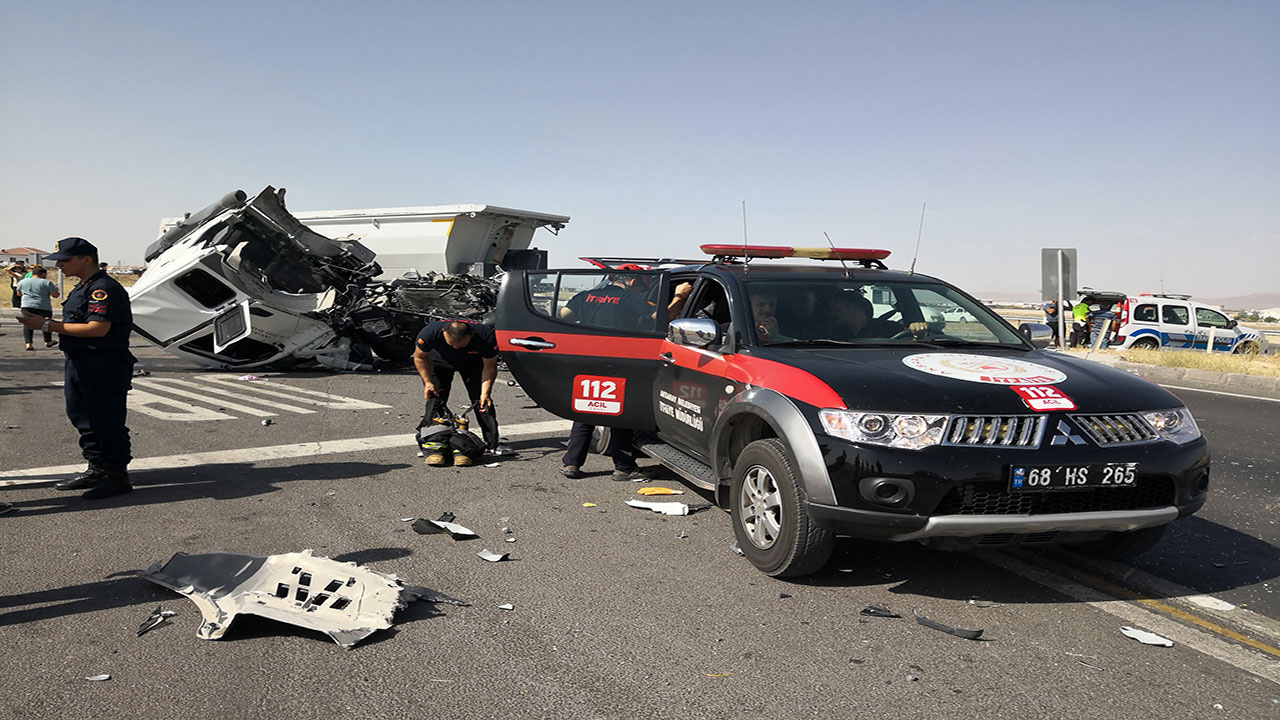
[{"x": 1254, "y": 301}]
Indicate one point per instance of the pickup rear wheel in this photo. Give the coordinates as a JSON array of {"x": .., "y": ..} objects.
[{"x": 770, "y": 513}]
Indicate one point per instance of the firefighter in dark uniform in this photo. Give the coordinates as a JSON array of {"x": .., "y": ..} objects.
[
  {"x": 95, "y": 327},
  {"x": 623, "y": 304},
  {"x": 471, "y": 350}
]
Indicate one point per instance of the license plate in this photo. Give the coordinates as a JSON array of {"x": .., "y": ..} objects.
[{"x": 1072, "y": 477}]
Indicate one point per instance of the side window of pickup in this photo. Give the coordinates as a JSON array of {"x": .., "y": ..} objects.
[{"x": 611, "y": 300}]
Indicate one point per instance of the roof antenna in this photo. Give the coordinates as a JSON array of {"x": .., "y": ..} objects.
[
  {"x": 920, "y": 232},
  {"x": 838, "y": 255},
  {"x": 746, "y": 256}
]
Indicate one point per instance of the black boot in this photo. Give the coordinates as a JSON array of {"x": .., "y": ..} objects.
[
  {"x": 86, "y": 479},
  {"x": 115, "y": 482}
]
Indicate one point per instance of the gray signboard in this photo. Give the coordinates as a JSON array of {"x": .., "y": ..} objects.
[{"x": 1052, "y": 262}]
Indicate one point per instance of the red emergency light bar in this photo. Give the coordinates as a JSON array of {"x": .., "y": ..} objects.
[{"x": 786, "y": 251}]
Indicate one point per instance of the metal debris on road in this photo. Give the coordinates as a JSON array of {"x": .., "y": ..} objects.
[
  {"x": 492, "y": 556},
  {"x": 664, "y": 508},
  {"x": 289, "y": 588},
  {"x": 408, "y": 519},
  {"x": 251, "y": 378},
  {"x": 958, "y": 632},
  {"x": 734, "y": 547},
  {"x": 511, "y": 539},
  {"x": 879, "y": 611},
  {"x": 983, "y": 603},
  {"x": 445, "y": 524},
  {"x": 99, "y": 678},
  {"x": 1095, "y": 667},
  {"x": 158, "y": 617},
  {"x": 682, "y": 535},
  {"x": 506, "y": 606},
  {"x": 658, "y": 491},
  {"x": 1146, "y": 638}
]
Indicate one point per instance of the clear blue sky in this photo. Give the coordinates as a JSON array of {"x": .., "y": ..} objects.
[{"x": 1146, "y": 134}]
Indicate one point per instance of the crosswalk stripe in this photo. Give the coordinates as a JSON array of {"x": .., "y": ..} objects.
[
  {"x": 297, "y": 394},
  {"x": 164, "y": 383}
]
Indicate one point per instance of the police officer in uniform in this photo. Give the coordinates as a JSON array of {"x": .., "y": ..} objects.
[{"x": 95, "y": 327}]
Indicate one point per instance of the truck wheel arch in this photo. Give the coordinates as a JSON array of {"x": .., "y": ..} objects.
[{"x": 758, "y": 413}]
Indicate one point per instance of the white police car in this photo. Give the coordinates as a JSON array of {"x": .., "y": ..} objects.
[{"x": 1175, "y": 322}]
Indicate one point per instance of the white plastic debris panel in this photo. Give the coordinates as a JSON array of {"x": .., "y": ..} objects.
[{"x": 342, "y": 600}]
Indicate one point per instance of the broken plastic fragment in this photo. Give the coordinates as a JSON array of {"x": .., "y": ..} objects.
[
  {"x": 958, "y": 632},
  {"x": 658, "y": 491},
  {"x": 664, "y": 508},
  {"x": 408, "y": 519},
  {"x": 511, "y": 539},
  {"x": 99, "y": 678},
  {"x": 983, "y": 603},
  {"x": 267, "y": 421},
  {"x": 444, "y": 525},
  {"x": 158, "y": 617},
  {"x": 492, "y": 556},
  {"x": 588, "y": 504},
  {"x": 506, "y": 606},
  {"x": 493, "y": 465},
  {"x": 250, "y": 378},
  {"x": 1146, "y": 638},
  {"x": 879, "y": 611},
  {"x": 342, "y": 600}
]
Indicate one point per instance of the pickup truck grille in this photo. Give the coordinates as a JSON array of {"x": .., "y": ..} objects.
[
  {"x": 994, "y": 498},
  {"x": 1126, "y": 429},
  {"x": 1011, "y": 431}
]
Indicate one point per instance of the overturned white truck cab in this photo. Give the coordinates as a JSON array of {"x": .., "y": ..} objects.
[{"x": 245, "y": 284}]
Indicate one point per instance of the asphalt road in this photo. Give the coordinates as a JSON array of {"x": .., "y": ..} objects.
[{"x": 619, "y": 613}]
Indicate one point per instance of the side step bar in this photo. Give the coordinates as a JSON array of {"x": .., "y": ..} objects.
[{"x": 677, "y": 461}]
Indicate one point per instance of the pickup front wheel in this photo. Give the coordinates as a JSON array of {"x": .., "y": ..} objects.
[{"x": 770, "y": 513}]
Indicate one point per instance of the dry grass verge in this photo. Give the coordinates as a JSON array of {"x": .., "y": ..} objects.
[{"x": 1265, "y": 365}]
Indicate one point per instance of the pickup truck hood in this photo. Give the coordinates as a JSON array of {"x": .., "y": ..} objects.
[{"x": 968, "y": 380}]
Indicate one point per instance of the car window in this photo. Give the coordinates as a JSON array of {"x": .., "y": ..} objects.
[
  {"x": 822, "y": 310},
  {"x": 1210, "y": 318},
  {"x": 616, "y": 300},
  {"x": 1145, "y": 313},
  {"x": 1175, "y": 314}
]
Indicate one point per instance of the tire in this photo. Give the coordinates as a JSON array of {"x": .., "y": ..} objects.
[
  {"x": 1145, "y": 344},
  {"x": 1122, "y": 544},
  {"x": 1248, "y": 347},
  {"x": 770, "y": 512}
]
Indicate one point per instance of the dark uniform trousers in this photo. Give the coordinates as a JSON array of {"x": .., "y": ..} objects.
[
  {"x": 438, "y": 406},
  {"x": 97, "y": 385},
  {"x": 621, "y": 447}
]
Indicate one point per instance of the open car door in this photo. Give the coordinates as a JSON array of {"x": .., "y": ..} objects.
[{"x": 594, "y": 373}]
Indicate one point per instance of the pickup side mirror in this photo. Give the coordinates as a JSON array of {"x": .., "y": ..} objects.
[
  {"x": 1038, "y": 334},
  {"x": 698, "y": 332}
]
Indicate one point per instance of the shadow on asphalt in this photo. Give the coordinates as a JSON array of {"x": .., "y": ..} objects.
[
  {"x": 916, "y": 570},
  {"x": 220, "y": 482}
]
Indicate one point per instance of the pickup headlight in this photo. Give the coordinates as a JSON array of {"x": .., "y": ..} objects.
[
  {"x": 1174, "y": 425},
  {"x": 890, "y": 429}
]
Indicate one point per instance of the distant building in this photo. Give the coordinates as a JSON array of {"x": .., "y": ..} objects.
[{"x": 30, "y": 256}]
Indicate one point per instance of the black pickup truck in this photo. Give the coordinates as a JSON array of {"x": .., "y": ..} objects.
[{"x": 820, "y": 400}]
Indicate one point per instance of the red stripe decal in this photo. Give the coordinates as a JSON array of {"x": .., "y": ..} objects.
[
  {"x": 786, "y": 379},
  {"x": 635, "y": 348}
]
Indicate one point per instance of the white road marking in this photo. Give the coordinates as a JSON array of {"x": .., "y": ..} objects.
[
  {"x": 149, "y": 404},
  {"x": 296, "y": 394},
  {"x": 35, "y": 476},
  {"x": 203, "y": 393},
  {"x": 1220, "y": 392},
  {"x": 1137, "y": 616}
]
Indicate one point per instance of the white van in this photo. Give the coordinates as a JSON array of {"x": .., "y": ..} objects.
[{"x": 1176, "y": 322}]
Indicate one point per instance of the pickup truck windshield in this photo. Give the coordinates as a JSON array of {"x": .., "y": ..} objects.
[{"x": 853, "y": 312}]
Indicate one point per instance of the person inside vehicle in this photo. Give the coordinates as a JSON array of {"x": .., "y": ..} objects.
[
  {"x": 764, "y": 306},
  {"x": 852, "y": 315}
]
